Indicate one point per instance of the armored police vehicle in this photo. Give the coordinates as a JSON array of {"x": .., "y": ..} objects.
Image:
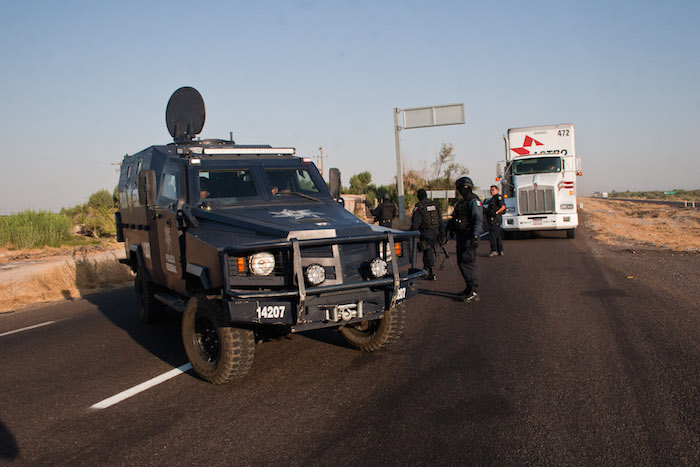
[{"x": 247, "y": 240}]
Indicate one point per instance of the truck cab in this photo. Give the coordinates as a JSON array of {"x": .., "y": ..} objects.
[
  {"x": 538, "y": 179},
  {"x": 248, "y": 239}
]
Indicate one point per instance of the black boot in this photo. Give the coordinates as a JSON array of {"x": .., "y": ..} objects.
[{"x": 431, "y": 275}]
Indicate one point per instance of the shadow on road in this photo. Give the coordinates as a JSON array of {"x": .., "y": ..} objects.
[
  {"x": 162, "y": 338},
  {"x": 8, "y": 445}
]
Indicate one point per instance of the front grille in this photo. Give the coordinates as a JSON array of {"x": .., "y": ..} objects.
[
  {"x": 356, "y": 256},
  {"x": 538, "y": 200},
  {"x": 323, "y": 251}
]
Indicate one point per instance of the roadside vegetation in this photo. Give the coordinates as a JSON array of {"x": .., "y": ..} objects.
[
  {"x": 670, "y": 195},
  {"x": 84, "y": 224},
  {"x": 64, "y": 282},
  {"x": 32, "y": 229}
]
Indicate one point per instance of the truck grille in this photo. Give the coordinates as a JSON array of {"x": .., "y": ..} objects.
[{"x": 536, "y": 200}]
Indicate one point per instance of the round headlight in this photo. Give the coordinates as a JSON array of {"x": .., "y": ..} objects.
[
  {"x": 315, "y": 274},
  {"x": 378, "y": 267},
  {"x": 262, "y": 264}
]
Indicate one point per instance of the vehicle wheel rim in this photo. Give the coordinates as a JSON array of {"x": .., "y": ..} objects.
[
  {"x": 364, "y": 327},
  {"x": 206, "y": 339}
]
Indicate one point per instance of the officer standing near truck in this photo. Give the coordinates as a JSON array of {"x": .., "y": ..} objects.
[
  {"x": 496, "y": 207},
  {"x": 467, "y": 224},
  {"x": 385, "y": 212},
  {"x": 427, "y": 219}
]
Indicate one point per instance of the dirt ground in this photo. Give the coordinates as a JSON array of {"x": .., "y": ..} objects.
[
  {"x": 639, "y": 225},
  {"x": 39, "y": 254}
]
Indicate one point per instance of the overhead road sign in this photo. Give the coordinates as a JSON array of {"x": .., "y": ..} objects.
[{"x": 435, "y": 115}]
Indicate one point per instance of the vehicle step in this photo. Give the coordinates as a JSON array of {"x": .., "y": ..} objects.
[{"x": 175, "y": 303}]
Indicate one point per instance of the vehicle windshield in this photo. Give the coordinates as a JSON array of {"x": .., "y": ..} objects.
[
  {"x": 292, "y": 182},
  {"x": 215, "y": 184},
  {"x": 537, "y": 166}
]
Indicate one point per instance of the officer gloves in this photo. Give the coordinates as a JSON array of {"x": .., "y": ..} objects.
[{"x": 474, "y": 242}]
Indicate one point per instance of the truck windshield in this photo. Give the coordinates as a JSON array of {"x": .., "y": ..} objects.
[
  {"x": 290, "y": 182},
  {"x": 537, "y": 166}
]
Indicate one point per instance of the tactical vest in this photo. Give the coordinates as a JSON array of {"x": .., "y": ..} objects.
[
  {"x": 430, "y": 219},
  {"x": 387, "y": 211},
  {"x": 461, "y": 214}
]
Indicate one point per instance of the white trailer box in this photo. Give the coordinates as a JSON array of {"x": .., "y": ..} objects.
[{"x": 539, "y": 179}]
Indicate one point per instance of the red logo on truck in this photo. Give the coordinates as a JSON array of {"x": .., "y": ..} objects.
[{"x": 528, "y": 143}]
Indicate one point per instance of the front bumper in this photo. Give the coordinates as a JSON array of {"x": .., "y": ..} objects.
[
  {"x": 303, "y": 307},
  {"x": 322, "y": 306},
  {"x": 565, "y": 221}
]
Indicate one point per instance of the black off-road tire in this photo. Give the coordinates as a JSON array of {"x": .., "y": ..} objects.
[
  {"x": 219, "y": 353},
  {"x": 571, "y": 233},
  {"x": 148, "y": 308},
  {"x": 376, "y": 334}
]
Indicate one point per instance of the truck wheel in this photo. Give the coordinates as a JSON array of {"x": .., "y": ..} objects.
[
  {"x": 571, "y": 233},
  {"x": 375, "y": 334},
  {"x": 149, "y": 309},
  {"x": 218, "y": 352}
]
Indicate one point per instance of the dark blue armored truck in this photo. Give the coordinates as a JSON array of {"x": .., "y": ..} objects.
[{"x": 247, "y": 240}]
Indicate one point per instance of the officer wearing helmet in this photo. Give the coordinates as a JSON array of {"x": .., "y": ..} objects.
[
  {"x": 467, "y": 224},
  {"x": 428, "y": 220},
  {"x": 385, "y": 212}
]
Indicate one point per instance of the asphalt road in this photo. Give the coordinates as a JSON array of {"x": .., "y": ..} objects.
[{"x": 577, "y": 354}]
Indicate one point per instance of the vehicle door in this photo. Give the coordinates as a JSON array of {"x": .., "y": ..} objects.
[{"x": 166, "y": 237}]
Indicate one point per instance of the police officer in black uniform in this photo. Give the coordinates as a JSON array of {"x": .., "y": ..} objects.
[
  {"x": 428, "y": 220},
  {"x": 385, "y": 212},
  {"x": 496, "y": 207},
  {"x": 467, "y": 224}
]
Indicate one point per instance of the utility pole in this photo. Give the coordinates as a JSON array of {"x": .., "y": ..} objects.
[
  {"x": 321, "y": 159},
  {"x": 399, "y": 164}
]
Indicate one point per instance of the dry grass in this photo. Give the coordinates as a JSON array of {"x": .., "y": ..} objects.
[
  {"x": 64, "y": 282},
  {"x": 630, "y": 223},
  {"x": 7, "y": 255}
]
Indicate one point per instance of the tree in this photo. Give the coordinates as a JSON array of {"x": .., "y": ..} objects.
[
  {"x": 359, "y": 183},
  {"x": 446, "y": 169}
]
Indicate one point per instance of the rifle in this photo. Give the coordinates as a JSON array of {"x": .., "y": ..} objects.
[{"x": 442, "y": 240}]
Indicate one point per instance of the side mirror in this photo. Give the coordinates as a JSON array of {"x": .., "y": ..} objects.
[
  {"x": 499, "y": 171},
  {"x": 147, "y": 188},
  {"x": 334, "y": 182}
]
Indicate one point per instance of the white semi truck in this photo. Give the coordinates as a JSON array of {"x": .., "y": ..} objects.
[{"x": 538, "y": 179}]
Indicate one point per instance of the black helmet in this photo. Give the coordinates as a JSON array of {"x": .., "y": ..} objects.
[
  {"x": 464, "y": 181},
  {"x": 422, "y": 194}
]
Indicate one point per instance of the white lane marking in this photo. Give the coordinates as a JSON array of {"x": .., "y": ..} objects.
[
  {"x": 27, "y": 328},
  {"x": 142, "y": 387}
]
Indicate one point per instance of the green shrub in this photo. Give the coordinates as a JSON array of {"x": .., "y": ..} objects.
[
  {"x": 32, "y": 229},
  {"x": 101, "y": 200}
]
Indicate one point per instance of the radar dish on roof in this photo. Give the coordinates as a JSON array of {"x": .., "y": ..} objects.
[{"x": 185, "y": 114}]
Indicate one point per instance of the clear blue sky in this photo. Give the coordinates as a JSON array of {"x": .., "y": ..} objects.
[{"x": 85, "y": 82}]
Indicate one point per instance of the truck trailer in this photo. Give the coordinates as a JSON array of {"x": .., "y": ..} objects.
[{"x": 538, "y": 179}]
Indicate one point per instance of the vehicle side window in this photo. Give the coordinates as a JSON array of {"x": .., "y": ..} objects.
[{"x": 169, "y": 188}]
